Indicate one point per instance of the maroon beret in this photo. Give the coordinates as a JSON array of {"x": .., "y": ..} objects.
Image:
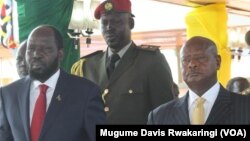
[{"x": 113, "y": 6}]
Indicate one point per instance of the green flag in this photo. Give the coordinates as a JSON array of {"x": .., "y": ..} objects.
[{"x": 32, "y": 13}]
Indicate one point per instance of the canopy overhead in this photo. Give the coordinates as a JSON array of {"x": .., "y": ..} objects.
[{"x": 240, "y": 7}]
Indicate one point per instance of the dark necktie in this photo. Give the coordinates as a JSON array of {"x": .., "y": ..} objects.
[
  {"x": 39, "y": 113},
  {"x": 111, "y": 65}
]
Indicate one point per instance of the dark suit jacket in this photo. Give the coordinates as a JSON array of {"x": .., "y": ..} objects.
[
  {"x": 229, "y": 108},
  {"x": 72, "y": 117},
  {"x": 141, "y": 81}
]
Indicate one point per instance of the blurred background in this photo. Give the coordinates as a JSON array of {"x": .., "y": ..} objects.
[{"x": 157, "y": 22}]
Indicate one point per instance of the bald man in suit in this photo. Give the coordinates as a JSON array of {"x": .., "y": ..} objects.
[
  {"x": 72, "y": 105},
  {"x": 200, "y": 62},
  {"x": 21, "y": 65}
]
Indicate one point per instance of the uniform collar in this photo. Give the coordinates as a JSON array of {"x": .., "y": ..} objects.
[{"x": 121, "y": 52}]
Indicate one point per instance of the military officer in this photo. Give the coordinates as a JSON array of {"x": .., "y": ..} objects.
[{"x": 134, "y": 80}]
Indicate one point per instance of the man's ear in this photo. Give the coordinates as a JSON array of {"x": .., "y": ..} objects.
[
  {"x": 131, "y": 23},
  {"x": 218, "y": 59},
  {"x": 60, "y": 54}
]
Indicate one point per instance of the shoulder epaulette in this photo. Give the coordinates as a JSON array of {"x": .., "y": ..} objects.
[
  {"x": 149, "y": 47},
  {"x": 92, "y": 54}
]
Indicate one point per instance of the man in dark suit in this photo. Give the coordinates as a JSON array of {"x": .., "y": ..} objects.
[
  {"x": 68, "y": 110},
  {"x": 139, "y": 80},
  {"x": 20, "y": 60},
  {"x": 200, "y": 62},
  {"x": 237, "y": 85}
]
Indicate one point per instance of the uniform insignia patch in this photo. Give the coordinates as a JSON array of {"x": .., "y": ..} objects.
[
  {"x": 149, "y": 47},
  {"x": 108, "y": 6}
]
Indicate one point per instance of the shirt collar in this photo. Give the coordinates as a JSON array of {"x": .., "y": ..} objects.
[
  {"x": 50, "y": 82},
  {"x": 210, "y": 95},
  {"x": 121, "y": 52}
]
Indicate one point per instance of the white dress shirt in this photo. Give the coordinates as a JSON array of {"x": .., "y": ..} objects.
[
  {"x": 120, "y": 53},
  {"x": 34, "y": 91},
  {"x": 209, "y": 96}
]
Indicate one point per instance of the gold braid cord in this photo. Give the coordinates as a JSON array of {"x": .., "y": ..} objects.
[{"x": 76, "y": 68}]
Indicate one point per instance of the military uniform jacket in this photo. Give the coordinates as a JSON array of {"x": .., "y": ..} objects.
[{"x": 141, "y": 81}]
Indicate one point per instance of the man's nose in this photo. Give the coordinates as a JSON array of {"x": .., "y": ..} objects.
[
  {"x": 22, "y": 62},
  {"x": 109, "y": 26},
  {"x": 36, "y": 53},
  {"x": 192, "y": 63}
]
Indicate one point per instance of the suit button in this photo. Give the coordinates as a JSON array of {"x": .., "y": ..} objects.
[
  {"x": 130, "y": 91},
  {"x": 106, "y": 109}
]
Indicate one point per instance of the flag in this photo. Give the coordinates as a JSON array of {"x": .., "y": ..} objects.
[
  {"x": 203, "y": 21},
  {"x": 6, "y": 24}
]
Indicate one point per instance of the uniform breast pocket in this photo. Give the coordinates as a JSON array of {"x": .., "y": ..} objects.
[
  {"x": 134, "y": 98},
  {"x": 133, "y": 90}
]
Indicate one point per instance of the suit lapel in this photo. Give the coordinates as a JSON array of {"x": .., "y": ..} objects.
[
  {"x": 23, "y": 101},
  {"x": 56, "y": 103},
  {"x": 102, "y": 72},
  {"x": 181, "y": 107},
  {"x": 221, "y": 108},
  {"x": 124, "y": 64}
]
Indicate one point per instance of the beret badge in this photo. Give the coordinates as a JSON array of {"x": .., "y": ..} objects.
[{"x": 108, "y": 6}]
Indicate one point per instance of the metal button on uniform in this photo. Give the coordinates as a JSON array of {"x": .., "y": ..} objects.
[
  {"x": 106, "y": 109},
  {"x": 106, "y": 91},
  {"x": 130, "y": 91}
]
